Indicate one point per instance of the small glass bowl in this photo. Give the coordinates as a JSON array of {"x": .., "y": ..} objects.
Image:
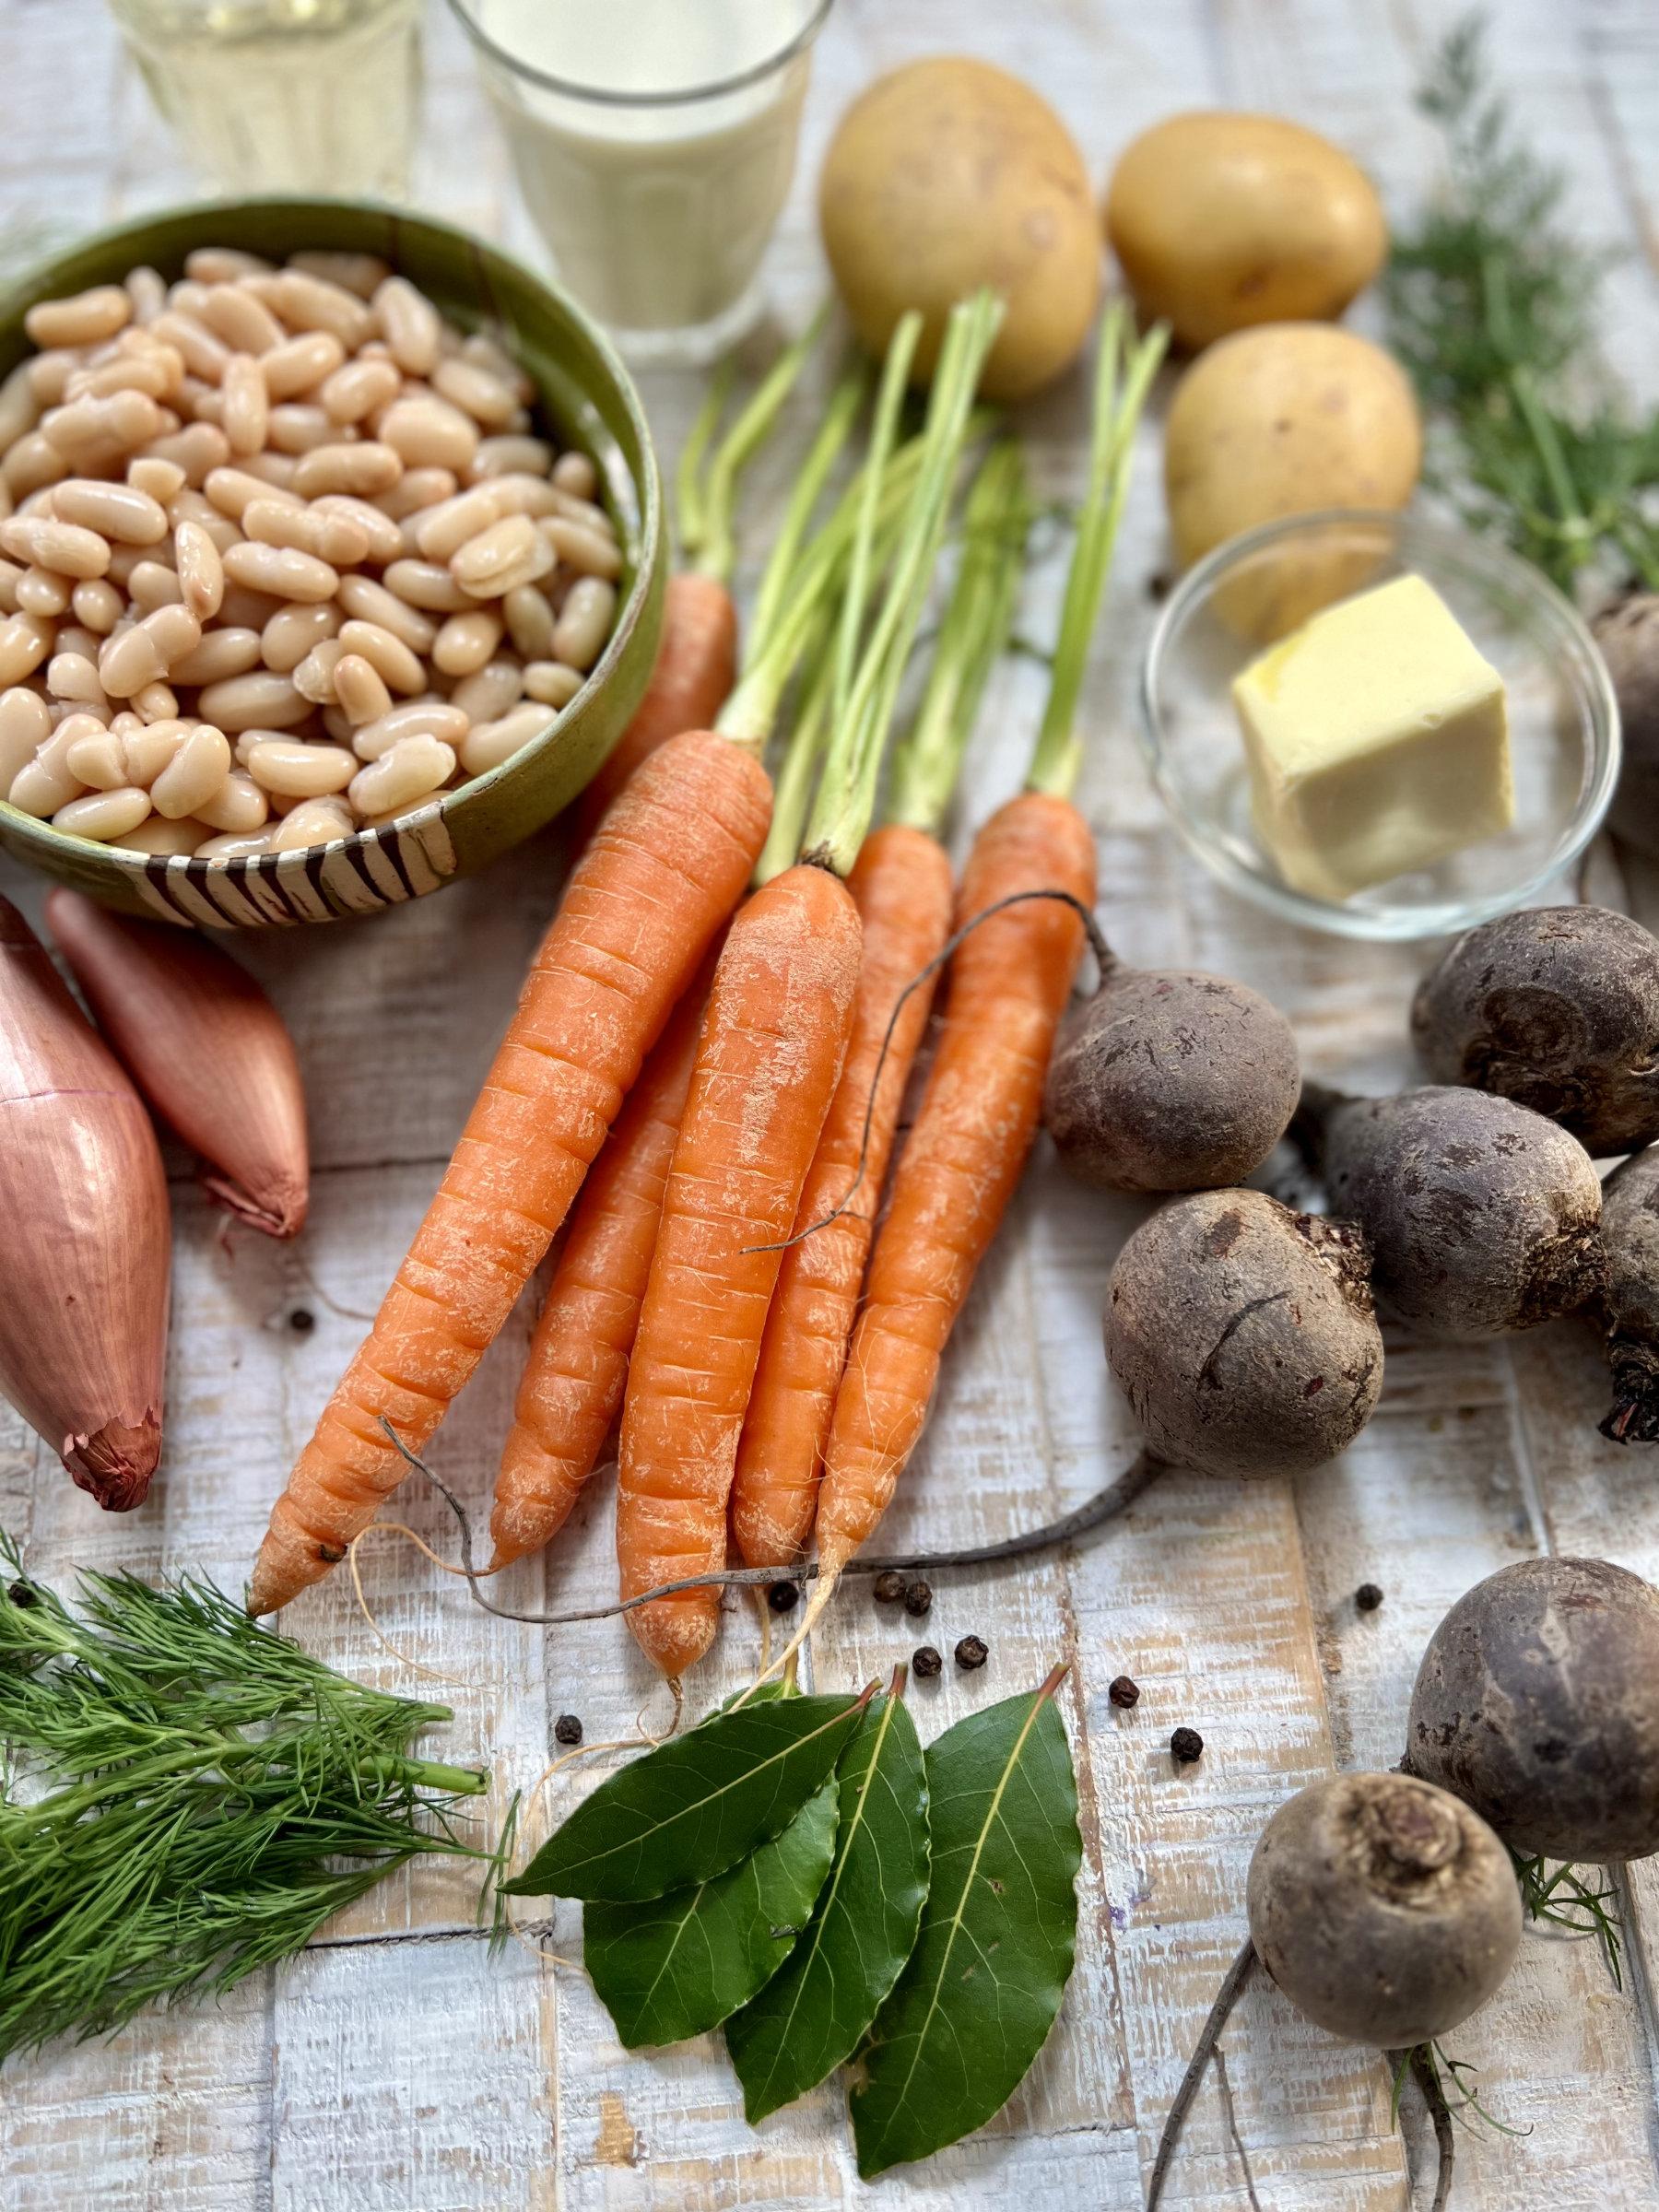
[{"x": 1563, "y": 720}]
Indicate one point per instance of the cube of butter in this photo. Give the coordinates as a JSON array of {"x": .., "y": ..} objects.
[{"x": 1378, "y": 741}]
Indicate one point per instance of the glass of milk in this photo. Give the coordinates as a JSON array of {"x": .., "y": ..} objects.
[
  {"x": 285, "y": 95},
  {"x": 653, "y": 143}
]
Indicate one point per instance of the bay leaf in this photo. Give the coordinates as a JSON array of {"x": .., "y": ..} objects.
[
  {"x": 812, "y": 2013},
  {"x": 975, "y": 2003},
  {"x": 696, "y": 1805},
  {"x": 677, "y": 1965}
]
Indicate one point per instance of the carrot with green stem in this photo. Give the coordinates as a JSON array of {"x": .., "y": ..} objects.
[
  {"x": 773, "y": 1042},
  {"x": 1030, "y": 871},
  {"x": 697, "y": 658},
  {"x": 901, "y": 884},
  {"x": 658, "y": 880},
  {"x": 576, "y": 1370}
]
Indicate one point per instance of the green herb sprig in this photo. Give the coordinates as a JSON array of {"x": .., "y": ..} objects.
[
  {"x": 187, "y": 1798},
  {"x": 1493, "y": 306}
]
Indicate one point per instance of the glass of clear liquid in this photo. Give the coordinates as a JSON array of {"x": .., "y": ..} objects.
[
  {"x": 653, "y": 142},
  {"x": 314, "y": 96}
]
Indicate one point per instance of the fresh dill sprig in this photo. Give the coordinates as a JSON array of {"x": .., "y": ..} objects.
[
  {"x": 1492, "y": 307},
  {"x": 1566, "y": 1902},
  {"x": 187, "y": 1798}
]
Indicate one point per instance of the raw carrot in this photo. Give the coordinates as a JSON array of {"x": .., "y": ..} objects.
[
  {"x": 771, "y": 1057},
  {"x": 659, "y": 879},
  {"x": 1009, "y": 981},
  {"x": 696, "y": 667},
  {"x": 901, "y": 884},
  {"x": 697, "y": 659},
  {"x": 571, "y": 1391},
  {"x": 666, "y": 868}
]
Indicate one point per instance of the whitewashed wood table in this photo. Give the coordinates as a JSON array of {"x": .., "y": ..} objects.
[{"x": 396, "y": 2066}]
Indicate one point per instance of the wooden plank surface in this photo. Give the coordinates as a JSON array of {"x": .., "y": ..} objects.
[{"x": 396, "y": 2067}]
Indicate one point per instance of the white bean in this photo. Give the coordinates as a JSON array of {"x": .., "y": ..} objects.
[
  {"x": 486, "y": 696},
  {"x": 134, "y": 657},
  {"x": 152, "y": 584},
  {"x": 301, "y": 364},
  {"x": 293, "y": 631},
  {"x": 385, "y": 542},
  {"x": 466, "y": 642},
  {"x": 102, "y": 815},
  {"x": 233, "y": 847},
  {"x": 477, "y": 390},
  {"x": 223, "y": 264},
  {"x": 25, "y": 726},
  {"x": 361, "y": 272},
  {"x": 416, "y": 718},
  {"x": 98, "y": 606},
  {"x": 241, "y": 320},
  {"x": 307, "y": 302},
  {"x": 38, "y": 591},
  {"x": 404, "y": 775},
  {"x": 360, "y": 469},
  {"x": 488, "y": 744},
  {"x": 113, "y": 511},
  {"x": 296, "y": 429},
  {"x": 162, "y": 839},
  {"x": 83, "y": 320},
  {"x": 426, "y": 585},
  {"x": 339, "y": 539},
  {"x": 32, "y": 462},
  {"x": 316, "y": 822},
  {"x": 201, "y": 570},
  {"x": 394, "y": 661},
  {"x": 313, "y": 678},
  {"x": 47, "y": 782},
  {"x": 20, "y": 409},
  {"x": 73, "y": 676},
  {"x": 513, "y": 457},
  {"x": 195, "y": 775},
  {"x": 411, "y": 324},
  {"x": 282, "y": 570},
  {"x": 371, "y": 602},
  {"x": 261, "y": 699},
  {"x": 589, "y": 552},
  {"x": 430, "y": 433},
  {"x": 156, "y": 702},
  {"x": 99, "y": 760},
  {"x": 529, "y": 623},
  {"x": 355, "y": 391},
  {"x": 24, "y": 641},
  {"x": 234, "y": 491},
  {"x": 445, "y": 529},
  {"x": 511, "y": 552},
  {"x": 159, "y": 480},
  {"x": 361, "y": 690},
  {"x": 221, "y": 653},
  {"x": 239, "y": 806},
  {"x": 552, "y": 682},
  {"x": 414, "y": 491},
  {"x": 148, "y": 750},
  {"x": 198, "y": 449},
  {"x": 575, "y": 473},
  {"x": 64, "y": 547},
  {"x": 584, "y": 621},
  {"x": 247, "y": 404}
]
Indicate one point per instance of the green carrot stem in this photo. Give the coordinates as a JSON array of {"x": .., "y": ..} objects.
[
  {"x": 792, "y": 786},
  {"x": 688, "y": 481},
  {"x": 821, "y": 457},
  {"x": 884, "y": 431},
  {"x": 749, "y": 716},
  {"x": 846, "y": 797},
  {"x": 973, "y": 634},
  {"x": 717, "y": 549},
  {"x": 1121, "y": 389}
]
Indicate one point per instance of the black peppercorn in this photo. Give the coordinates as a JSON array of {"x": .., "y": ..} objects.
[
  {"x": 1125, "y": 1692},
  {"x": 918, "y": 1600},
  {"x": 782, "y": 1596},
  {"x": 22, "y": 1595},
  {"x": 567, "y": 1729},
  {"x": 1368, "y": 1597},
  {"x": 971, "y": 1652},
  {"x": 302, "y": 1321},
  {"x": 926, "y": 1662},
  {"x": 1185, "y": 1746},
  {"x": 890, "y": 1587}
]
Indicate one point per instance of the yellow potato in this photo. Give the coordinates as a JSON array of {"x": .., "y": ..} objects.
[
  {"x": 946, "y": 174},
  {"x": 1281, "y": 421},
  {"x": 1223, "y": 220}
]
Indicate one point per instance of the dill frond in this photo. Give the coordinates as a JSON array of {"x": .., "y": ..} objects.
[{"x": 187, "y": 1798}]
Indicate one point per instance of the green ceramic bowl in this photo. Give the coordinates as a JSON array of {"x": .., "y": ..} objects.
[{"x": 587, "y": 401}]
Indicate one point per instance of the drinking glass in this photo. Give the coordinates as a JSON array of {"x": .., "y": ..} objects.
[
  {"x": 653, "y": 142},
  {"x": 285, "y": 95}
]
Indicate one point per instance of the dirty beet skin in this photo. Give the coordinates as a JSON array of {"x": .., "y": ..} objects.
[{"x": 1242, "y": 1334}]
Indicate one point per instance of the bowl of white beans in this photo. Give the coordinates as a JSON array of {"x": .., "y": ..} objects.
[{"x": 331, "y": 560}]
